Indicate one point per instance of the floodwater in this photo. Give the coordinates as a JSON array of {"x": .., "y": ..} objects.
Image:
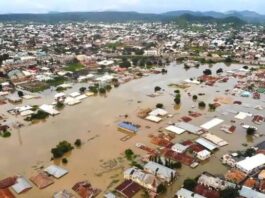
[{"x": 94, "y": 121}]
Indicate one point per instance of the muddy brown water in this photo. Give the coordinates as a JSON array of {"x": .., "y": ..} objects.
[{"x": 95, "y": 120}]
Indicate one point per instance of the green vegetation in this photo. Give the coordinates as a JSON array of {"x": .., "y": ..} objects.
[
  {"x": 212, "y": 107},
  {"x": 136, "y": 164},
  {"x": 82, "y": 89},
  {"x": 62, "y": 148},
  {"x": 159, "y": 105},
  {"x": 39, "y": 115},
  {"x": 194, "y": 97},
  {"x": 78, "y": 143},
  {"x": 168, "y": 163},
  {"x": 251, "y": 131},
  {"x": 189, "y": 184},
  {"x": 93, "y": 89},
  {"x": 74, "y": 67},
  {"x": 161, "y": 188},
  {"x": 102, "y": 90},
  {"x": 229, "y": 192},
  {"x": 5, "y": 134},
  {"x": 125, "y": 63},
  {"x": 157, "y": 88},
  {"x": 249, "y": 152},
  {"x": 64, "y": 161},
  {"x": 129, "y": 154},
  {"x": 207, "y": 72},
  {"x": 177, "y": 99},
  {"x": 60, "y": 89},
  {"x": 202, "y": 104},
  {"x": 58, "y": 80},
  {"x": 20, "y": 94},
  {"x": 59, "y": 105}
]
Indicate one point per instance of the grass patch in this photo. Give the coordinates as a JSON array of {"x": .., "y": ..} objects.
[
  {"x": 73, "y": 67},
  {"x": 56, "y": 81}
]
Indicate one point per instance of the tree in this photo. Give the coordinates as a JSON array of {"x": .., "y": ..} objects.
[
  {"x": 194, "y": 97},
  {"x": 161, "y": 188},
  {"x": 229, "y": 192},
  {"x": 64, "y": 161},
  {"x": 212, "y": 107},
  {"x": 207, "y": 72},
  {"x": 129, "y": 154},
  {"x": 220, "y": 70},
  {"x": 189, "y": 184},
  {"x": 157, "y": 88},
  {"x": 125, "y": 63},
  {"x": 59, "y": 105},
  {"x": 202, "y": 104},
  {"x": 245, "y": 67},
  {"x": 159, "y": 105},
  {"x": 251, "y": 131},
  {"x": 82, "y": 89},
  {"x": 228, "y": 59},
  {"x": 102, "y": 90},
  {"x": 249, "y": 152},
  {"x": 20, "y": 94},
  {"x": 78, "y": 143}
]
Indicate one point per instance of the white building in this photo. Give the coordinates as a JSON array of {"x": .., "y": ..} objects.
[
  {"x": 160, "y": 171},
  {"x": 250, "y": 163},
  {"x": 203, "y": 155}
]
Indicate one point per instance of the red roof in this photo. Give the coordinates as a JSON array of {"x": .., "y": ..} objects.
[
  {"x": 6, "y": 193},
  {"x": 206, "y": 192},
  {"x": 128, "y": 188}
]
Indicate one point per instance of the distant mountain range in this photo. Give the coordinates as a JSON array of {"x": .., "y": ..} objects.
[
  {"x": 237, "y": 17},
  {"x": 247, "y": 16}
]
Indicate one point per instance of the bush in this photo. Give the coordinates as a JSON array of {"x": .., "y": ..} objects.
[
  {"x": 212, "y": 107},
  {"x": 177, "y": 100},
  {"x": 102, "y": 90},
  {"x": 20, "y": 94},
  {"x": 189, "y": 184},
  {"x": 249, "y": 152},
  {"x": 78, "y": 143},
  {"x": 207, "y": 72},
  {"x": 62, "y": 148},
  {"x": 194, "y": 97},
  {"x": 220, "y": 70},
  {"x": 161, "y": 189},
  {"x": 82, "y": 89},
  {"x": 159, "y": 105},
  {"x": 59, "y": 105},
  {"x": 64, "y": 161},
  {"x": 202, "y": 104},
  {"x": 229, "y": 192},
  {"x": 251, "y": 131},
  {"x": 108, "y": 87},
  {"x": 129, "y": 154},
  {"x": 157, "y": 88},
  {"x": 40, "y": 115},
  {"x": 5, "y": 134}
]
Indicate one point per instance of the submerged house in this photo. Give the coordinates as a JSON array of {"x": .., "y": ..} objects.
[{"x": 162, "y": 172}]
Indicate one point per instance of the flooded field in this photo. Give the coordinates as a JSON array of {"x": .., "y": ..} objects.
[{"x": 94, "y": 121}]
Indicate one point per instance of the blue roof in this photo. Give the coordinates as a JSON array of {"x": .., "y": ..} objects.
[{"x": 128, "y": 126}]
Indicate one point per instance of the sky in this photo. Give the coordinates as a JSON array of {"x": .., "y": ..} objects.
[{"x": 147, "y": 6}]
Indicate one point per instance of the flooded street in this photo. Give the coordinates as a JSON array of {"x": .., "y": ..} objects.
[{"x": 94, "y": 121}]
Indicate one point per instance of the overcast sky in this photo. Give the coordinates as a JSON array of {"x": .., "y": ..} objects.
[{"x": 155, "y": 6}]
